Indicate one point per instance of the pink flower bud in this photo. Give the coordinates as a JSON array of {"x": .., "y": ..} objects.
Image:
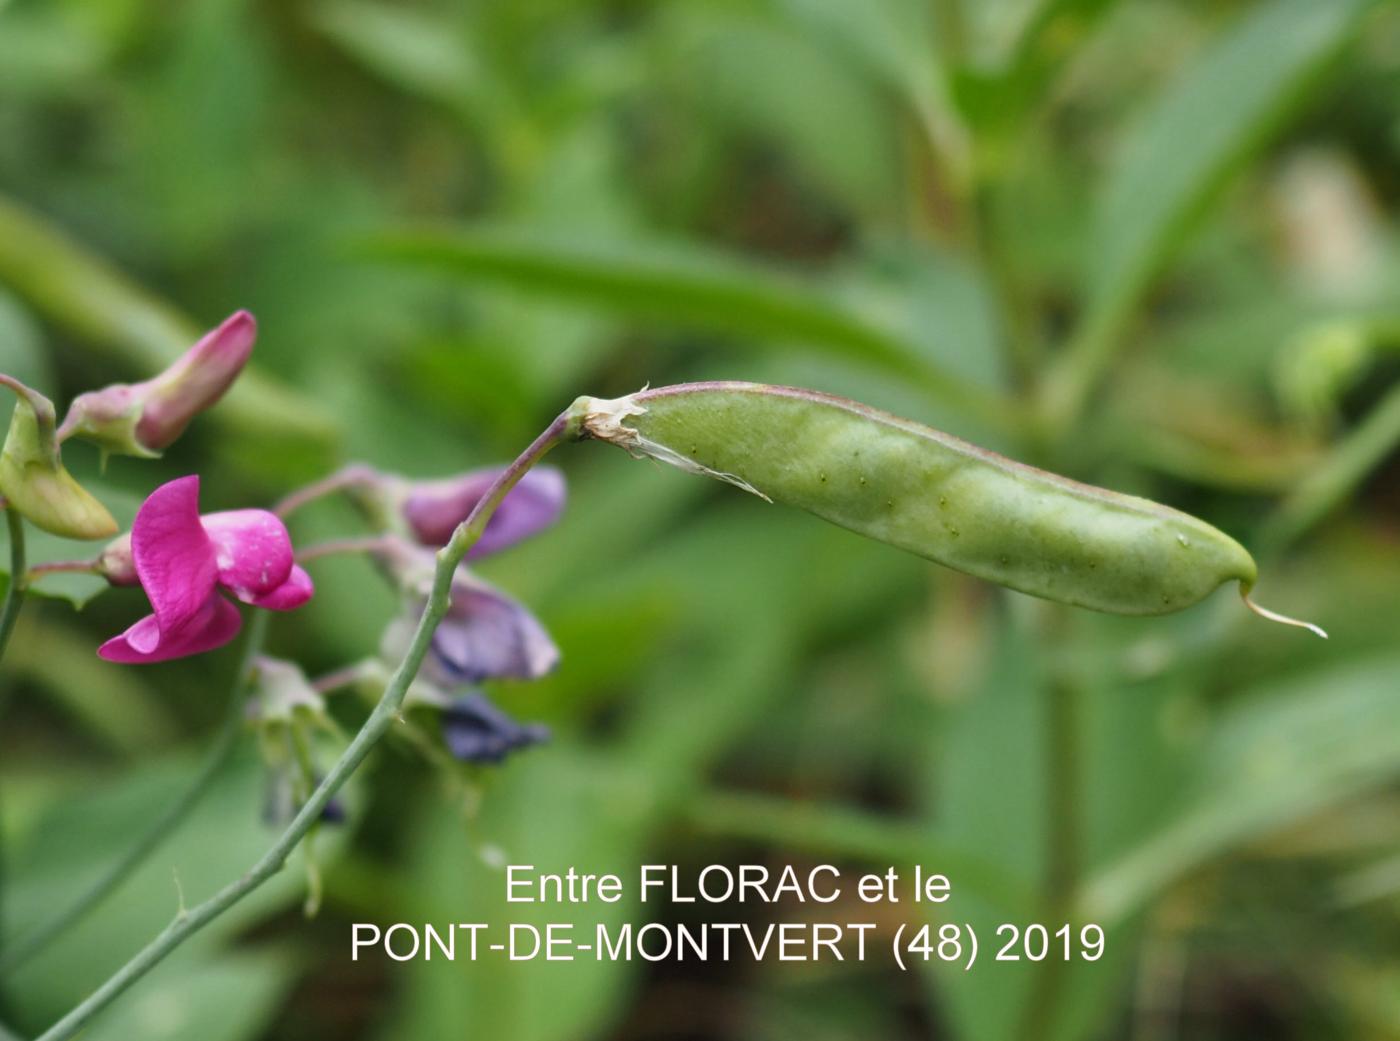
[
  {"x": 116, "y": 564},
  {"x": 143, "y": 419}
]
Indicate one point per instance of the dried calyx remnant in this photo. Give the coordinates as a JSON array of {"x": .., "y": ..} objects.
[
  {"x": 605, "y": 419},
  {"x": 930, "y": 493}
]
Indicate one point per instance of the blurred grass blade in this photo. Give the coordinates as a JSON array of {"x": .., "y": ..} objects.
[
  {"x": 1028, "y": 37},
  {"x": 219, "y": 997},
  {"x": 113, "y": 708},
  {"x": 85, "y": 295},
  {"x": 23, "y": 353},
  {"x": 1337, "y": 475},
  {"x": 899, "y": 45},
  {"x": 1217, "y": 112},
  {"x": 1289, "y": 752},
  {"x": 833, "y": 830},
  {"x": 408, "y": 47},
  {"x": 678, "y": 283}
]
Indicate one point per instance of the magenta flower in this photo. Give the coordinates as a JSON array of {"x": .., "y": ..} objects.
[
  {"x": 182, "y": 559},
  {"x": 145, "y": 418},
  {"x": 433, "y": 509}
]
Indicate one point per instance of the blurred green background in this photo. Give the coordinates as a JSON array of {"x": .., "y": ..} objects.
[{"x": 1149, "y": 244}]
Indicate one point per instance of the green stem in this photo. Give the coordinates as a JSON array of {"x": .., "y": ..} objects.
[
  {"x": 1345, "y": 467},
  {"x": 1062, "y": 867},
  {"x": 353, "y": 476},
  {"x": 370, "y": 544},
  {"x": 14, "y": 595},
  {"x": 1062, "y": 775},
  {"x": 54, "y": 567},
  {"x": 189, "y": 922},
  {"x": 306, "y": 767},
  {"x": 14, "y": 598},
  {"x": 348, "y": 676},
  {"x": 1077, "y": 371},
  {"x": 951, "y": 28},
  {"x": 32, "y": 943}
]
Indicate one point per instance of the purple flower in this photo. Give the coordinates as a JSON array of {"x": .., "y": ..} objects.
[
  {"x": 433, "y": 509},
  {"x": 181, "y": 560},
  {"x": 476, "y": 731},
  {"x": 485, "y": 635},
  {"x": 488, "y": 635},
  {"x": 145, "y": 418}
]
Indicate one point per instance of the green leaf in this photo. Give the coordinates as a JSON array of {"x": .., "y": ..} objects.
[
  {"x": 22, "y": 353},
  {"x": 408, "y": 47},
  {"x": 83, "y": 294},
  {"x": 994, "y": 806},
  {"x": 750, "y": 76},
  {"x": 1218, "y": 112},
  {"x": 59, "y": 853},
  {"x": 896, "y": 44},
  {"x": 113, "y": 707},
  {"x": 1287, "y": 752},
  {"x": 677, "y": 284},
  {"x": 43, "y": 49},
  {"x": 226, "y": 998}
]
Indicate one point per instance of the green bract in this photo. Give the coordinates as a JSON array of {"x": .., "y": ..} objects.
[
  {"x": 33, "y": 479},
  {"x": 932, "y": 494}
]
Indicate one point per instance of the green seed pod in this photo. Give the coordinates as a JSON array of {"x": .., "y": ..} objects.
[{"x": 932, "y": 494}]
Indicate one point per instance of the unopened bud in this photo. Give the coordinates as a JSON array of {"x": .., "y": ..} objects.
[
  {"x": 143, "y": 419},
  {"x": 281, "y": 693},
  {"x": 116, "y": 564}
]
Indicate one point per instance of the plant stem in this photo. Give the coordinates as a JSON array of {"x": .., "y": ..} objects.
[
  {"x": 189, "y": 922},
  {"x": 225, "y": 741},
  {"x": 1062, "y": 866},
  {"x": 54, "y": 567},
  {"x": 9, "y": 614},
  {"x": 1062, "y": 775},
  {"x": 1077, "y": 371},
  {"x": 342, "y": 678},
  {"x": 341, "y": 547},
  {"x": 348, "y": 477},
  {"x": 301, "y": 754},
  {"x": 14, "y": 597},
  {"x": 14, "y": 594}
]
